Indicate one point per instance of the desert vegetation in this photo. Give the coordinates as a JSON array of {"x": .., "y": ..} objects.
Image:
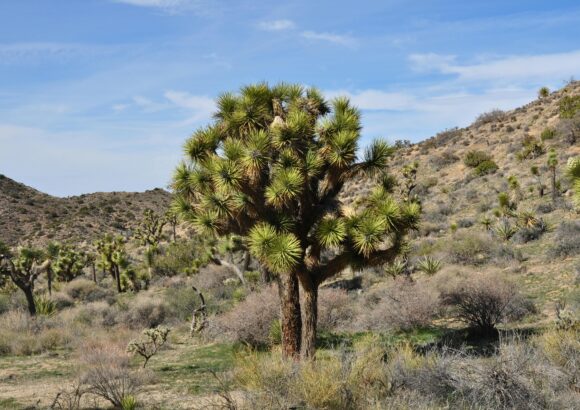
[{"x": 291, "y": 267}]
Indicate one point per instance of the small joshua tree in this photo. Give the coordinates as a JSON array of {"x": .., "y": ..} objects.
[
  {"x": 69, "y": 263},
  {"x": 552, "y": 164},
  {"x": 24, "y": 268},
  {"x": 543, "y": 93},
  {"x": 150, "y": 233},
  {"x": 172, "y": 219},
  {"x": 536, "y": 173},
  {"x": 112, "y": 257},
  {"x": 149, "y": 345}
]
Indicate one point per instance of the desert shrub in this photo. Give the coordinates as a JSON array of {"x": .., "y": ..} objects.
[
  {"x": 547, "y": 134},
  {"x": 485, "y": 168},
  {"x": 531, "y": 148},
  {"x": 443, "y": 160},
  {"x": 569, "y": 105},
  {"x": 250, "y": 320},
  {"x": 62, "y": 300},
  {"x": 334, "y": 309},
  {"x": 473, "y": 158},
  {"x": 351, "y": 380},
  {"x": 146, "y": 311},
  {"x": 86, "y": 291},
  {"x": 5, "y": 302},
  {"x": 182, "y": 301},
  {"x": 530, "y": 233},
  {"x": 471, "y": 249},
  {"x": 107, "y": 373},
  {"x": 490, "y": 116},
  {"x": 569, "y": 129},
  {"x": 484, "y": 301},
  {"x": 92, "y": 313},
  {"x": 545, "y": 208},
  {"x": 403, "y": 306},
  {"x": 214, "y": 279},
  {"x": 177, "y": 259},
  {"x": 465, "y": 223},
  {"x": 567, "y": 240}
]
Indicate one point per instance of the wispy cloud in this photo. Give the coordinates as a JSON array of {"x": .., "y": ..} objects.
[
  {"x": 343, "y": 40},
  {"x": 199, "y": 107},
  {"x": 41, "y": 51},
  {"x": 276, "y": 25},
  {"x": 511, "y": 68}
]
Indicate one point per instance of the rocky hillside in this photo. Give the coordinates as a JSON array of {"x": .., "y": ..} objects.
[{"x": 30, "y": 216}]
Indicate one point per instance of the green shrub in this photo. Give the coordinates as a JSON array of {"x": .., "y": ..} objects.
[
  {"x": 547, "y": 134},
  {"x": 44, "y": 305},
  {"x": 485, "y": 168},
  {"x": 569, "y": 105},
  {"x": 429, "y": 265},
  {"x": 474, "y": 158}
]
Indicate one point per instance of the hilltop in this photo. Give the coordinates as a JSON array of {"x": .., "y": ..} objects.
[{"x": 30, "y": 216}]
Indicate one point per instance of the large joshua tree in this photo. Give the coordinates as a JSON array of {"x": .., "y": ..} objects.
[{"x": 270, "y": 169}]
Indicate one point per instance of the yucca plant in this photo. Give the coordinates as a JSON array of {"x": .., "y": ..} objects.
[
  {"x": 44, "y": 305},
  {"x": 270, "y": 169},
  {"x": 429, "y": 265},
  {"x": 396, "y": 268},
  {"x": 505, "y": 230},
  {"x": 486, "y": 222}
]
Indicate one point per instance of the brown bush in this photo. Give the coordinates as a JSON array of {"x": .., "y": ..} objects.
[
  {"x": 334, "y": 309},
  {"x": 485, "y": 300},
  {"x": 107, "y": 373},
  {"x": 403, "y": 306},
  {"x": 146, "y": 311},
  {"x": 250, "y": 320}
]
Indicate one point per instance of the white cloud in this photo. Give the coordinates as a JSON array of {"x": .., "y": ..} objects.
[
  {"x": 343, "y": 40},
  {"x": 201, "y": 107},
  {"x": 276, "y": 25},
  {"x": 512, "y": 68}
]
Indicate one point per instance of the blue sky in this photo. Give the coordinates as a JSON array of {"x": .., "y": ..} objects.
[{"x": 99, "y": 95}]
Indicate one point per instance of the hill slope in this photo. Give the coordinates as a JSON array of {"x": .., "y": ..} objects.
[{"x": 30, "y": 216}]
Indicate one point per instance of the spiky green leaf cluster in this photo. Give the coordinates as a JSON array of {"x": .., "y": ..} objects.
[{"x": 270, "y": 169}]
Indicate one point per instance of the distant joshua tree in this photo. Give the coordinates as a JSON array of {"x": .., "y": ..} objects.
[
  {"x": 24, "y": 268},
  {"x": 112, "y": 257},
  {"x": 270, "y": 170},
  {"x": 150, "y": 233},
  {"x": 536, "y": 173},
  {"x": 552, "y": 164},
  {"x": 543, "y": 93}
]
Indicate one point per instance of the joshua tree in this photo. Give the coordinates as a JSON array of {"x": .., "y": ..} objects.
[
  {"x": 573, "y": 171},
  {"x": 270, "y": 169},
  {"x": 23, "y": 268},
  {"x": 536, "y": 173},
  {"x": 552, "y": 164},
  {"x": 515, "y": 190},
  {"x": 112, "y": 257},
  {"x": 410, "y": 181},
  {"x": 543, "y": 92},
  {"x": 172, "y": 219},
  {"x": 150, "y": 233},
  {"x": 69, "y": 263}
]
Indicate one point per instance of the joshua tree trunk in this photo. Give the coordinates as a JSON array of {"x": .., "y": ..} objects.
[
  {"x": 174, "y": 229},
  {"x": 118, "y": 278},
  {"x": 290, "y": 319},
  {"x": 94, "y": 272},
  {"x": 310, "y": 319},
  {"x": 28, "y": 292},
  {"x": 266, "y": 275}
]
